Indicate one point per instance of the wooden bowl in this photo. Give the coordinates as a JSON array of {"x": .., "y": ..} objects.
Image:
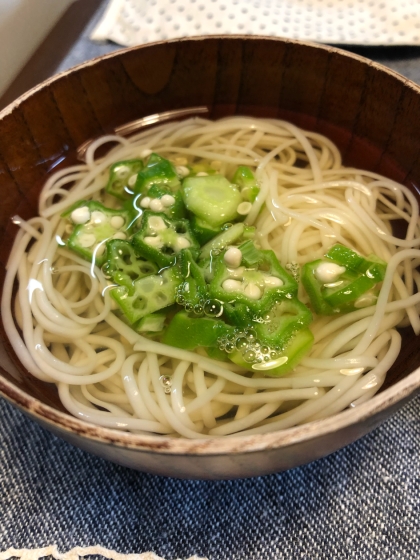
[{"x": 372, "y": 114}]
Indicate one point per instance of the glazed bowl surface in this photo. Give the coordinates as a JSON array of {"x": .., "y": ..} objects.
[{"x": 369, "y": 111}]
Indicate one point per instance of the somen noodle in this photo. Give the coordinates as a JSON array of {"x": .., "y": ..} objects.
[{"x": 66, "y": 329}]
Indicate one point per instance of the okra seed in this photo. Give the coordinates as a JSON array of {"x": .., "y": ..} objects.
[
  {"x": 153, "y": 241},
  {"x": 230, "y": 285},
  {"x": 98, "y": 217},
  {"x": 119, "y": 235},
  {"x": 181, "y": 243},
  {"x": 80, "y": 215},
  {"x": 182, "y": 171},
  {"x": 117, "y": 222},
  {"x": 252, "y": 291},
  {"x": 273, "y": 281},
  {"x": 144, "y": 203},
  {"x": 167, "y": 200},
  {"x": 87, "y": 240},
  {"x": 145, "y": 153},
  {"x": 329, "y": 272},
  {"x": 132, "y": 180},
  {"x": 216, "y": 164},
  {"x": 156, "y": 223},
  {"x": 122, "y": 170},
  {"x": 156, "y": 205},
  {"x": 233, "y": 257},
  {"x": 202, "y": 174}
]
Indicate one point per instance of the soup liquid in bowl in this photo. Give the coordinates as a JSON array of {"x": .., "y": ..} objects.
[{"x": 211, "y": 278}]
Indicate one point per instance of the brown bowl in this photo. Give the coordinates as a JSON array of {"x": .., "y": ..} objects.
[{"x": 372, "y": 114}]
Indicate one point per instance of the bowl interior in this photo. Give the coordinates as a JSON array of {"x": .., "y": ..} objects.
[{"x": 371, "y": 113}]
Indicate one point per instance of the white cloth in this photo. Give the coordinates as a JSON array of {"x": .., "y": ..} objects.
[{"x": 363, "y": 22}]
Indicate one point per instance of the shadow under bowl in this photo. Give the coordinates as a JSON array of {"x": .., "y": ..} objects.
[{"x": 369, "y": 111}]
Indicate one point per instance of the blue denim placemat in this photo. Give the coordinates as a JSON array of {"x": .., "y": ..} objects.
[{"x": 362, "y": 502}]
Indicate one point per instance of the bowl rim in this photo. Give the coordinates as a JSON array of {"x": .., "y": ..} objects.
[
  {"x": 236, "y": 444},
  {"x": 91, "y": 62}
]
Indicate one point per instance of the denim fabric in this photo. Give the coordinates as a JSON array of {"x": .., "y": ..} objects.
[{"x": 362, "y": 502}]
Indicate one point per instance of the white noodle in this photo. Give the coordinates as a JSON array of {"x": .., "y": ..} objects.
[{"x": 63, "y": 328}]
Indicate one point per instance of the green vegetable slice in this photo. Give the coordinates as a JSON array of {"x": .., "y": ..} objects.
[
  {"x": 245, "y": 179},
  {"x": 122, "y": 178},
  {"x": 191, "y": 333},
  {"x": 157, "y": 171},
  {"x": 351, "y": 286},
  {"x": 123, "y": 265},
  {"x": 257, "y": 287},
  {"x": 161, "y": 239},
  {"x": 212, "y": 198},
  {"x": 94, "y": 224},
  {"x": 149, "y": 294}
]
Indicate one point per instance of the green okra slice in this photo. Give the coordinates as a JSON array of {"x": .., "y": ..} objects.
[
  {"x": 202, "y": 230},
  {"x": 192, "y": 292},
  {"x": 293, "y": 352},
  {"x": 190, "y": 333},
  {"x": 273, "y": 342},
  {"x": 247, "y": 183},
  {"x": 123, "y": 265},
  {"x": 280, "y": 323},
  {"x": 257, "y": 287},
  {"x": 229, "y": 236},
  {"x": 147, "y": 295},
  {"x": 342, "y": 281},
  {"x": 161, "y": 239},
  {"x": 157, "y": 171},
  {"x": 162, "y": 199},
  {"x": 211, "y": 198},
  {"x": 152, "y": 324},
  {"x": 123, "y": 177},
  {"x": 94, "y": 224}
]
